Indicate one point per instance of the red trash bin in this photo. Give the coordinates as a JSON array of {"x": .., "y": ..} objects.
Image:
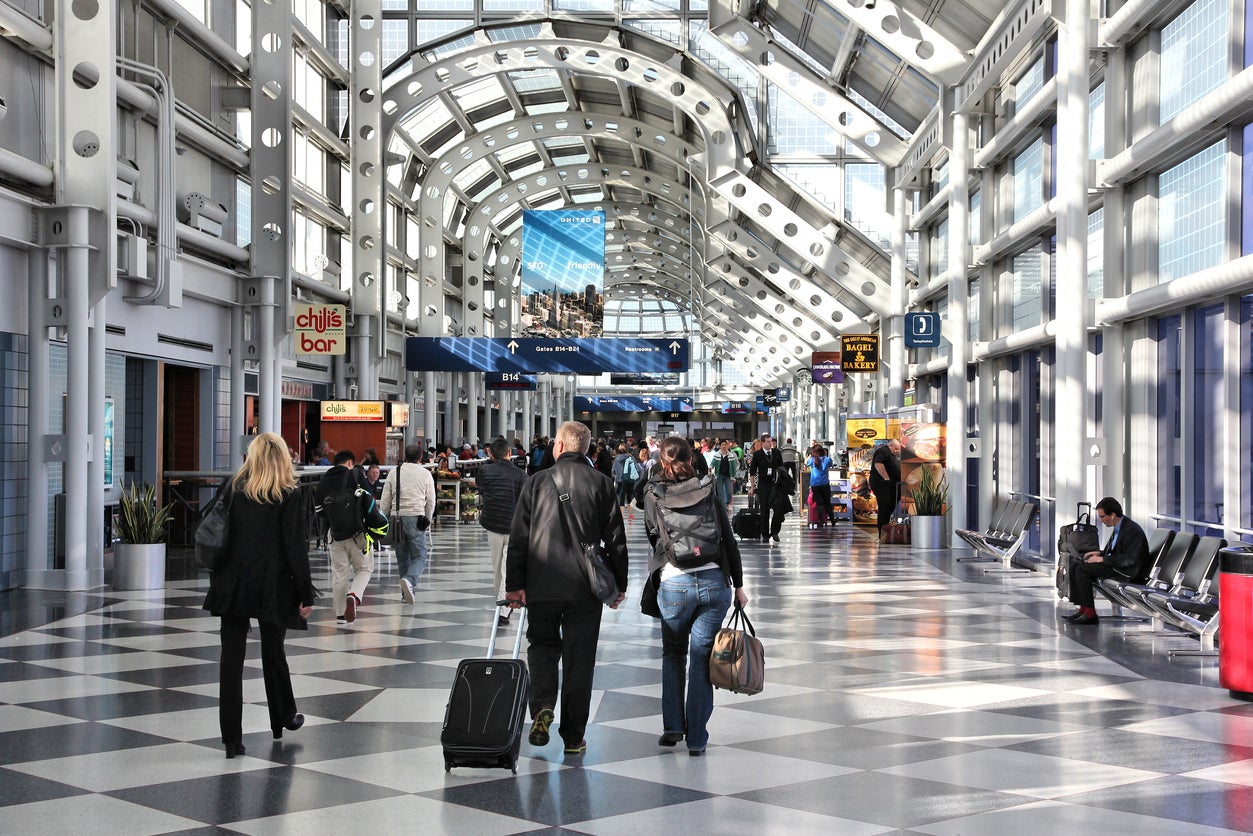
[{"x": 1235, "y": 645}]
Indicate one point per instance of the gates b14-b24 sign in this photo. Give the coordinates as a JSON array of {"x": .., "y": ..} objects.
[{"x": 320, "y": 329}]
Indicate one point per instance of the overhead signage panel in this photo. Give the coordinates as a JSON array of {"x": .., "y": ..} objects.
[
  {"x": 826, "y": 367},
  {"x": 859, "y": 353},
  {"x": 644, "y": 379},
  {"x": 509, "y": 381},
  {"x": 735, "y": 408},
  {"x": 922, "y": 330},
  {"x": 563, "y": 272},
  {"x": 630, "y": 403},
  {"x": 530, "y": 355}
]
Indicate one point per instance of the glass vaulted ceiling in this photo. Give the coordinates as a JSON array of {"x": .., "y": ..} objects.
[{"x": 655, "y": 284}]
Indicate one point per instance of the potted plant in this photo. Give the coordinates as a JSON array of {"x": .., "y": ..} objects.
[
  {"x": 930, "y": 505},
  {"x": 140, "y": 525}
]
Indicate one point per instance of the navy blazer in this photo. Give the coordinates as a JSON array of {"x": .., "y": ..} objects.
[{"x": 1130, "y": 555}]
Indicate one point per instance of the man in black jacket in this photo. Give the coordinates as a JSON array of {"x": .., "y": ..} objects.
[
  {"x": 352, "y": 563},
  {"x": 499, "y": 483},
  {"x": 764, "y": 468},
  {"x": 560, "y": 510},
  {"x": 1126, "y": 556}
]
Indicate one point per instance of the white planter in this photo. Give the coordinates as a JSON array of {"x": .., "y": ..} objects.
[
  {"x": 139, "y": 565},
  {"x": 928, "y": 532}
]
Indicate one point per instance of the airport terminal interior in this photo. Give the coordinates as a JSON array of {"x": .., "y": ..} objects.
[{"x": 1017, "y": 236}]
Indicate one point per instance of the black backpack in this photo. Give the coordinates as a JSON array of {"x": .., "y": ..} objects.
[
  {"x": 687, "y": 522},
  {"x": 343, "y": 509}
]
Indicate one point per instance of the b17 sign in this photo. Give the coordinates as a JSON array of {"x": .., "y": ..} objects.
[{"x": 320, "y": 329}]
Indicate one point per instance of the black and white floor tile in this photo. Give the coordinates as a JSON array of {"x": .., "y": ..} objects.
[{"x": 906, "y": 693}]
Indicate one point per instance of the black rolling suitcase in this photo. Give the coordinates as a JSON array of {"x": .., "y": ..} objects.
[
  {"x": 747, "y": 521},
  {"x": 487, "y": 708},
  {"x": 1073, "y": 542}
]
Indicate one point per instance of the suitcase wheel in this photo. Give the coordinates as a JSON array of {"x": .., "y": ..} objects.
[
  {"x": 513, "y": 767},
  {"x": 447, "y": 766}
]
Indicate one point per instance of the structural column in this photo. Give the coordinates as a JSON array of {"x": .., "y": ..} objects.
[
  {"x": 1071, "y": 339},
  {"x": 958, "y": 325},
  {"x": 895, "y": 378},
  {"x": 369, "y": 207},
  {"x": 272, "y": 219}
]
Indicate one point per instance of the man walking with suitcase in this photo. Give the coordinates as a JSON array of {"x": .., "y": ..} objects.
[{"x": 560, "y": 510}]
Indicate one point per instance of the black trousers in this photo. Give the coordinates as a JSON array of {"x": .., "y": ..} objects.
[
  {"x": 1082, "y": 578},
  {"x": 822, "y": 498},
  {"x": 886, "y": 494},
  {"x": 567, "y": 633},
  {"x": 278, "y": 691},
  {"x": 771, "y": 514}
]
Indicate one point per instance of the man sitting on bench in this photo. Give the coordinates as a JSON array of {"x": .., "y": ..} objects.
[{"x": 1126, "y": 555}]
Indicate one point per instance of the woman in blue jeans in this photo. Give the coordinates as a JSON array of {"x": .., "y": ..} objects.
[{"x": 693, "y": 600}]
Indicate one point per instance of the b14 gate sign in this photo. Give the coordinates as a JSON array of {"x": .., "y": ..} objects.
[{"x": 320, "y": 329}]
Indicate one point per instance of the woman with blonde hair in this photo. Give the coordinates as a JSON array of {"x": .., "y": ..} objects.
[{"x": 264, "y": 574}]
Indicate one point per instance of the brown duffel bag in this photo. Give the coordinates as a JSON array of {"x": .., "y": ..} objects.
[{"x": 737, "y": 662}]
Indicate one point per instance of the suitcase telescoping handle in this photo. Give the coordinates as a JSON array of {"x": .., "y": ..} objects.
[
  {"x": 517, "y": 642},
  {"x": 1082, "y": 516}
]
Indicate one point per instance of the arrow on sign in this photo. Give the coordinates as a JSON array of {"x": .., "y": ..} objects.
[
  {"x": 674, "y": 347},
  {"x": 512, "y": 345}
]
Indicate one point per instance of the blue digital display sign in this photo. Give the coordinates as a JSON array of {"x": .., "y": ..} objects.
[
  {"x": 630, "y": 403},
  {"x": 558, "y": 355}
]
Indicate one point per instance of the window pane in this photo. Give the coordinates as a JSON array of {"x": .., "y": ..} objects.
[
  {"x": 1168, "y": 425},
  {"x": 1096, "y": 254},
  {"x": 1191, "y": 214},
  {"x": 1209, "y": 406},
  {"x": 1194, "y": 55},
  {"x": 1246, "y": 411},
  {"x": 1096, "y": 122},
  {"x": 1027, "y": 283},
  {"x": 1028, "y": 171}
]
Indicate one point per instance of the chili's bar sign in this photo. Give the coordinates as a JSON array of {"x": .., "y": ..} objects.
[
  {"x": 320, "y": 329},
  {"x": 352, "y": 410},
  {"x": 859, "y": 352}
]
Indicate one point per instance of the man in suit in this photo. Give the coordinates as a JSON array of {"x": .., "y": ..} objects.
[
  {"x": 763, "y": 468},
  {"x": 1126, "y": 556}
]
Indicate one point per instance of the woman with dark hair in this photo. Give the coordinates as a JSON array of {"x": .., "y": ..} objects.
[
  {"x": 263, "y": 575},
  {"x": 693, "y": 599},
  {"x": 819, "y": 465}
]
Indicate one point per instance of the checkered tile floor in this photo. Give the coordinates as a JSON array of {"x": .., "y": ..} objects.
[{"x": 906, "y": 693}]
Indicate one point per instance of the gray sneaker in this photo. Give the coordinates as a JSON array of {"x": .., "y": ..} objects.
[{"x": 406, "y": 590}]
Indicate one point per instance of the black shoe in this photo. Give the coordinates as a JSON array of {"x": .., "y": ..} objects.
[
  {"x": 1073, "y": 616},
  {"x": 296, "y": 721},
  {"x": 1084, "y": 620},
  {"x": 669, "y": 739},
  {"x": 765, "y": 538},
  {"x": 233, "y": 749},
  {"x": 774, "y": 537},
  {"x": 696, "y": 753}
]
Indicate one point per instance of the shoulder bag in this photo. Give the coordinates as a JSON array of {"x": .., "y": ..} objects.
[
  {"x": 395, "y": 535},
  {"x": 737, "y": 662},
  {"x": 592, "y": 558},
  {"x": 213, "y": 533}
]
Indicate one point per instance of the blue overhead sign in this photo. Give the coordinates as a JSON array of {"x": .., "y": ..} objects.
[
  {"x": 558, "y": 355},
  {"x": 922, "y": 330},
  {"x": 505, "y": 381},
  {"x": 631, "y": 403},
  {"x": 736, "y": 408}
]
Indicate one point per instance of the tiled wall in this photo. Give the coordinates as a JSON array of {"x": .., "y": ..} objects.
[{"x": 13, "y": 494}]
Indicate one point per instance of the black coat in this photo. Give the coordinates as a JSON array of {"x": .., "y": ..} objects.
[
  {"x": 499, "y": 484},
  {"x": 265, "y": 571},
  {"x": 545, "y": 544}
]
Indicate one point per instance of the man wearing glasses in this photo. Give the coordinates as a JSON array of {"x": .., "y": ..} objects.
[{"x": 1126, "y": 556}]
